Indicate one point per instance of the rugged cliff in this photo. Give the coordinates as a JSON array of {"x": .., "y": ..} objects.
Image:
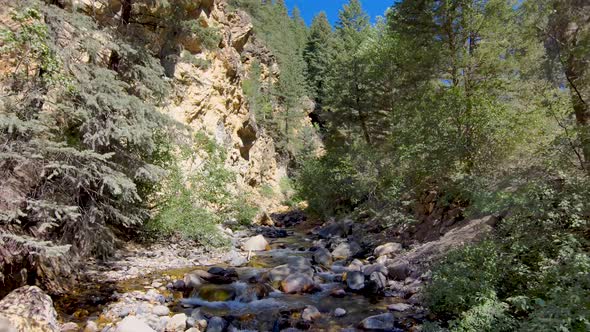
[{"x": 79, "y": 134}]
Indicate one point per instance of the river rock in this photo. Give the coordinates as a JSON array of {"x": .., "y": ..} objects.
[
  {"x": 378, "y": 281},
  {"x": 216, "y": 324},
  {"x": 369, "y": 269},
  {"x": 382, "y": 260},
  {"x": 336, "y": 229},
  {"x": 399, "y": 271},
  {"x": 339, "y": 312},
  {"x": 28, "y": 309},
  {"x": 91, "y": 327},
  {"x": 197, "y": 319},
  {"x": 355, "y": 280},
  {"x": 346, "y": 250},
  {"x": 322, "y": 256},
  {"x": 70, "y": 327},
  {"x": 381, "y": 322},
  {"x": 160, "y": 310},
  {"x": 399, "y": 307},
  {"x": 192, "y": 280},
  {"x": 355, "y": 265},
  {"x": 177, "y": 323},
  {"x": 338, "y": 292},
  {"x": 281, "y": 272},
  {"x": 220, "y": 275},
  {"x": 387, "y": 249},
  {"x": 256, "y": 243},
  {"x": 297, "y": 283},
  {"x": 133, "y": 324},
  {"x": 310, "y": 313}
]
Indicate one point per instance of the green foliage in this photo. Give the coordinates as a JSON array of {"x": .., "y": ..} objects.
[
  {"x": 277, "y": 105},
  {"x": 535, "y": 269},
  {"x": 267, "y": 191},
  {"x": 192, "y": 206},
  {"x": 90, "y": 137}
]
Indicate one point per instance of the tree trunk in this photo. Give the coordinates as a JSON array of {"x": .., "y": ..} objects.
[{"x": 126, "y": 11}]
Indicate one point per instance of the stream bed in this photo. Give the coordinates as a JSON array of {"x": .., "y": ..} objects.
[{"x": 280, "y": 289}]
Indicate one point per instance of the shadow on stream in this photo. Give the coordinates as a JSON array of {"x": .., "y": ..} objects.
[{"x": 251, "y": 297}]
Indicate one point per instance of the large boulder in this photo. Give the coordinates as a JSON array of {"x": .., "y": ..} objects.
[
  {"x": 133, "y": 324},
  {"x": 383, "y": 322},
  {"x": 256, "y": 243},
  {"x": 28, "y": 309},
  {"x": 299, "y": 266},
  {"x": 387, "y": 249},
  {"x": 297, "y": 283}
]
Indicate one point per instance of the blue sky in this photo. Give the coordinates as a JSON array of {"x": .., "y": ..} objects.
[{"x": 309, "y": 8}]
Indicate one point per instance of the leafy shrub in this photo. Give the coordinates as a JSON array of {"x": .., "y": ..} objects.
[
  {"x": 536, "y": 267},
  {"x": 193, "y": 206},
  {"x": 267, "y": 191},
  {"x": 459, "y": 281},
  {"x": 337, "y": 183}
]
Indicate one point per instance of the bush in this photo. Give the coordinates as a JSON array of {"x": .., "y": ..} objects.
[
  {"x": 192, "y": 206},
  {"x": 535, "y": 268}
]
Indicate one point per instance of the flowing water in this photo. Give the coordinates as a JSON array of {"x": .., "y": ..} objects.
[{"x": 252, "y": 302}]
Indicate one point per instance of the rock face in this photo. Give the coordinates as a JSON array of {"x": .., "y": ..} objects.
[
  {"x": 28, "y": 309},
  {"x": 208, "y": 96}
]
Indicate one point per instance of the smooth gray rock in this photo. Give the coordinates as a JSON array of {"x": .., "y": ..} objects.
[
  {"x": 381, "y": 322},
  {"x": 192, "y": 280},
  {"x": 339, "y": 312},
  {"x": 216, "y": 324},
  {"x": 399, "y": 307},
  {"x": 322, "y": 256},
  {"x": 369, "y": 269},
  {"x": 133, "y": 324},
  {"x": 161, "y": 310},
  {"x": 355, "y": 280}
]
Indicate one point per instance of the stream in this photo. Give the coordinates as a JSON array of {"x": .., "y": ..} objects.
[{"x": 280, "y": 289}]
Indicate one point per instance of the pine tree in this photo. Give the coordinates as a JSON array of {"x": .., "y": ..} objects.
[
  {"x": 347, "y": 80},
  {"x": 317, "y": 56}
]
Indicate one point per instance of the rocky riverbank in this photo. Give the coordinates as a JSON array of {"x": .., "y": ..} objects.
[{"x": 288, "y": 278}]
